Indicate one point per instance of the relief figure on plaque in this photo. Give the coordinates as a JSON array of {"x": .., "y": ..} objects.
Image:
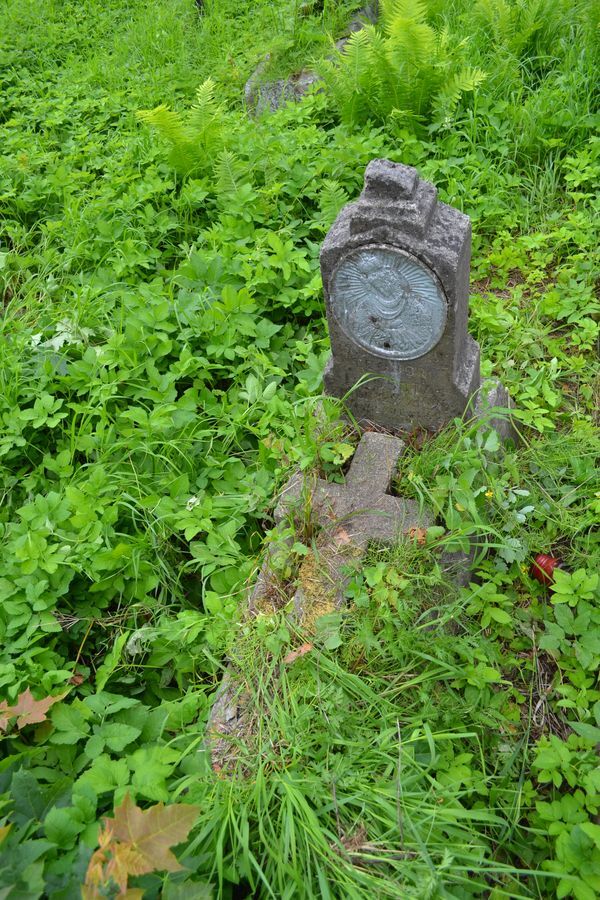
[{"x": 388, "y": 302}]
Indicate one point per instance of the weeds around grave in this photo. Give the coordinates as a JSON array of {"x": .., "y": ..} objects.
[{"x": 162, "y": 345}]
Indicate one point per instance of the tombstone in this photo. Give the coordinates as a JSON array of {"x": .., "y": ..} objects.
[{"x": 395, "y": 269}]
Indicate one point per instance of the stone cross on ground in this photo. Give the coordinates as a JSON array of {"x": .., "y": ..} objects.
[
  {"x": 395, "y": 268},
  {"x": 350, "y": 516}
]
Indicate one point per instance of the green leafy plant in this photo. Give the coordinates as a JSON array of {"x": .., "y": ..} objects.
[
  {"x": 161, "y": 356},
  {"x": 197, "y": 140},
  {"x": 406, "y": 69}
]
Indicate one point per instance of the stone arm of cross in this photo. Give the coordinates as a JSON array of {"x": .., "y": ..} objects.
[{"x": 362, "y": 506}]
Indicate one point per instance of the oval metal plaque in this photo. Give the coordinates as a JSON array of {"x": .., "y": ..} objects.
[{"x": 388, "y": 302}]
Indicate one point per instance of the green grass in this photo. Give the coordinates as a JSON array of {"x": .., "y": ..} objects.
[{"x": 162, "y": 345}]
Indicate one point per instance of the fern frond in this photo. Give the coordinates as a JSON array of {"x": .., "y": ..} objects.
[
  {"x": 331, "y": 199},
  {"x": 411, "y": 42},
  {"x": 171, "y": 128},
  {"x": 398, "y": 10},
  {"x": 205, "y": 112},
  {"x": 195, "y": 140},
  {"x": 169, "y": 124},
  {"x": 448, "y": 97},
  {"x": 388, "y": 84},
  {"x": 351, "y": 79},
  {"x": 229, "y": 172},
  {"x": 205, "y": 93},
  {"x": 353, "y": 62},
  {"x": 497, "y": 16},
  {"x": 402, "y": 68},
  {"x": 529, "y": 18}
]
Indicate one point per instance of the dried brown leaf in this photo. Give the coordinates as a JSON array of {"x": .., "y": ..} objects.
[
  {"x": 418, "y": 534},
  {"x": 293, "y": 655},
  {"x": 153, "y": 831},
  {"x": 26, "y": 710},
  {"x": 136, "y": 842}
]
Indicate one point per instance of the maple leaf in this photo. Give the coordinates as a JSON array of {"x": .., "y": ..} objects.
[
  {"x": 151, "y": 832},
  {"x": 27, "y": 710},
  {"x": 126, "y": 860},
  {"x": 135, "y": 842}
]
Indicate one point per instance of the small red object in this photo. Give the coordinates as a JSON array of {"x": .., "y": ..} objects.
[{"x": 543, "y": 566}]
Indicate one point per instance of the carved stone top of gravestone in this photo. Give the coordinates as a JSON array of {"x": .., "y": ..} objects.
[{"x": 395, "y": 269}]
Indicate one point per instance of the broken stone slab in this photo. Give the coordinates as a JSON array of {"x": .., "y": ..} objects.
[{"x": 226, "y": 719}]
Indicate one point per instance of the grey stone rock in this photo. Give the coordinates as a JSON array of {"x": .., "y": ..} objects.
[
  {"x": 271, "y": 95},
  {"x": 493, "y": 395},
  {"x": 252, "y": 86},
  {"x": 261, "y": 95},
  {"x": 368, "y": 13}
]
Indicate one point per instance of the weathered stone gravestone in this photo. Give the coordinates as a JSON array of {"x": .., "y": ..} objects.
[{"x": 395, "y": 269}]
